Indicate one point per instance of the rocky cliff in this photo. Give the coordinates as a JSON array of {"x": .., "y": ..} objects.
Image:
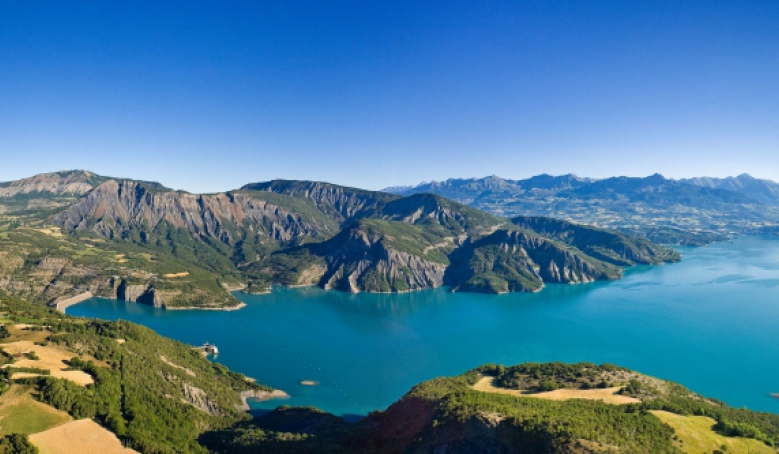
[
  {"x": 342, "y": 203},
  {"x": 115, "y": 207},
  {"x": 511, "y": 260},
  {"x": 364, "y": 257}
]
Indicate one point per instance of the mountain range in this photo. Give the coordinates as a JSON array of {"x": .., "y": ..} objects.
[
  {"x": 693, "y": 211},
  {"x": 69, "y": 233},
  {"x": 141, "y": 241}
]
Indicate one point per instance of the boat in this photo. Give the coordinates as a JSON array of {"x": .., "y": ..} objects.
[{"x": 209, "y": 349}]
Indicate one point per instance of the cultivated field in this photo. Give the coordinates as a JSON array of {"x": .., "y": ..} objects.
[
  {"x": 21, "y": 413},
  {"x": 79, "y": 437},
  {"x": 607, "y": 395},
  {"x": 51, "y": 358},
  {"x": 697, "y": 437}
]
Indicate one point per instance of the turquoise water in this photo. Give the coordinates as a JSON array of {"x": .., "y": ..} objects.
[{"x": 709, "y": 322}]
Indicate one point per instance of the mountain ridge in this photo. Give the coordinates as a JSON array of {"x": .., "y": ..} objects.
[
  {"x": 693, "y": 211},
  {"x": 288, "y": 232}
]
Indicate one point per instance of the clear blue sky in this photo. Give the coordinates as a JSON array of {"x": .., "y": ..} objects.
[{"x": 207, "y": 96}]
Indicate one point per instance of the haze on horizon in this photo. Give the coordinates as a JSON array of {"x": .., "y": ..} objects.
[{"x": 207, "y": 97}]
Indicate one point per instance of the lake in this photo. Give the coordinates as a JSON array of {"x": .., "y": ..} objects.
[{"x": 709, "y": 323}]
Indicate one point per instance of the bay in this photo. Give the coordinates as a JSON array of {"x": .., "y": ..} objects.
[{"x": 709, "y": 323}]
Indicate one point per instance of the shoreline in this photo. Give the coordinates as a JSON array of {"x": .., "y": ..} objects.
[
  {"x": 189, "y": 308},
  {"x": 259, "y": 396},
  {"x": 63, "y": 305}
]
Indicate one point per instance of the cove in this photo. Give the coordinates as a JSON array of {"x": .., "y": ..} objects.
[{"x": 709, "y": 323}]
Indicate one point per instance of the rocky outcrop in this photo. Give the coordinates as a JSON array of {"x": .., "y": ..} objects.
[
  {"x": 200, "y": 400},
  {"x": 143, "y": 294},
  {"x": 362, "y": 258},
  {"x": 259, "y": 396},
  {"x": 131, "y": 293}
]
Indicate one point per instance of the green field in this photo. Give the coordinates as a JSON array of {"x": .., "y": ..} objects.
[
  {"x": 697, "y": 437},
  {"x": 21, "y": 413}
]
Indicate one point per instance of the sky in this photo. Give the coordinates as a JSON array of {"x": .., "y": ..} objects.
[{"x": 209, "y": 95}]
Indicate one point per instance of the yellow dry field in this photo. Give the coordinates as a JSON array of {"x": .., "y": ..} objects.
[
  {"x": 608, "y": 395},
  {"x": 697, "y": 437},
  {"x": 51, "y": 358},
  {"x": 21, "y": 413},
  {"x": 79, "y": 437},
  {"x": 20, "y": 332},
  {"x": 172, "y": 275}
]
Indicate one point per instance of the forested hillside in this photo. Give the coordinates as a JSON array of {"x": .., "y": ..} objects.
[{"x": 155, "y": 394}]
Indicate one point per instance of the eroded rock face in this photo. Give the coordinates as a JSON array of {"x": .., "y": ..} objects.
[
  {"x": 341, "y": 203},
  {"x": 130, "y": 293},
  {"x": 199, "y": 399},
  {"x": 362, "y": 261},
  {"x": 114, "y": 207},
  {"x": 557, "y": 264}
]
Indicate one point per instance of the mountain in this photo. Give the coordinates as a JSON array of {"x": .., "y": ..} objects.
[
  {"x": 115, "y": 209},
  {"x": 763, "y": 191},
  {"x": 425, "y": 241},
  {"x": 470, "y": 190},
  {"x": 663, "y": 210},
  {"x": 342, "y": 203},
  {"x": 528, "y": 408},
  {"x": 46, "y": 190},
  {"x": 52, "y": 190},
  {"x": 143, "y": 242}
]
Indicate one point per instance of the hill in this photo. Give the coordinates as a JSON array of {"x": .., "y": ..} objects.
[
  {"x": 155, "y": 394},
  {"x": 695, "y": 211},
  {"x": 528, "y": 408}
]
